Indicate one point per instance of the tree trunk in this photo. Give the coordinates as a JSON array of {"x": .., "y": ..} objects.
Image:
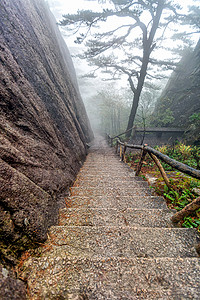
[
  {"x": 138, "y": 91},
  {"x": 119, "y": 121},
  {"x": 148, "y": 47},
  {"x": 131, "y": 119},
  {"x": 187, "y": 210}
]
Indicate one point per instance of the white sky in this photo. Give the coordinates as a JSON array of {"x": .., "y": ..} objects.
[
  {"x": 71, "y": 6},
  {"x": 61, "y": 7}
]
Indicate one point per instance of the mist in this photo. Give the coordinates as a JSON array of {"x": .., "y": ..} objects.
[
  {"x": 95, "y": 82},
  {"x": 75, "y": 220}
]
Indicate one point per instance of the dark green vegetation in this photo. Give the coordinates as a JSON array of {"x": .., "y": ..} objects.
[
  {"x": 184, "y": 189},
  {"x": 189, "y": 155},
  {"x": 179, "y": 104}
]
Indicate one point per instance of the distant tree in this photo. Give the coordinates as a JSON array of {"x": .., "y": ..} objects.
[
  {"x": 113, "y": 111},
  {"x": 146, "y": 105},
  {"x": 193, "y": 18},
  {"x": 127, "y": 48},
  {"x": 193, "y": 132}
]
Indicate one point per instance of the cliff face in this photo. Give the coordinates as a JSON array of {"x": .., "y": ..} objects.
[
  {"x": 43, "y": 124},
  {"x": 181, "y": 96}
]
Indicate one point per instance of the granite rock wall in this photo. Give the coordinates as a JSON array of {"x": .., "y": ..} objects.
[
  {"x": 44, "y": 127},
  {"x": 182, "y": 93}
]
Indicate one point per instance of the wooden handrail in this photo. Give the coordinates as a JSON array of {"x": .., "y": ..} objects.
[
  {"x": 171, "y": 162},
  {"x": 122, "y": 133},
  {"x": 186, "y": 211},
  {"x": 149, "y": 129}
]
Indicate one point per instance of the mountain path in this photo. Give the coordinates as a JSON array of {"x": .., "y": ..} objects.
[{"x": 115, "y": 240}]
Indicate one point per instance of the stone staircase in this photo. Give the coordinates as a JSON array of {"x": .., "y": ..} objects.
[{"x": 114, "y": 241}]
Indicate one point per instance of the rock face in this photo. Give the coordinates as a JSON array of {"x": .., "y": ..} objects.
[
  {"x": 43, "y": 124},
  {"x": 182, "y": 93},
  {"x": 10, "y": 288}
]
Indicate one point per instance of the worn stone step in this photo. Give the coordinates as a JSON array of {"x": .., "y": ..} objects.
[
  {"x": 108, "y": 160},
  {"x": 110, "y": 173},
  {"x": 100, "y": 177},
  {"x": 116, "y": 217},
  {"x": 119, "y": 202},
  {"x": 104, "y": 168},
  {"x": 114, "y": 175},
  {"x": 106, "y": 174},
  {"x": 65, "y": 277},
  {"x": 114, "y": 179},
  {"x": 109, "y": 182},
  {"x": 116, "y": 241},
  {"x": 93, "y": 161},
  {"x": 110, "y": 191},
  {"x": 126, "y": 241}
]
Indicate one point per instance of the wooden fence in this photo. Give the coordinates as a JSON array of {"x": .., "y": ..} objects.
[{"x": 121, "y": 149}]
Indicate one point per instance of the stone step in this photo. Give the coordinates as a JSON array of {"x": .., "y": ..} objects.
[
  {"x": 66, "y": 277},
  {"x": 124, "y": 176},
  {"x": 117, "y": 242},
  {"x": 105, "y": 166},
  {"x": 116, "y": 161},
  {"x": 115, "y": 217},
  {"x": 108, "y": 182},
  {"x": 119, "y": 202},
  {"x": 110, "y": 191},
  {"x": 105, "y": 172},
  {"x": 114, "y": 241},
  {"x": 108, "y": 161},
  {"x": 106, "y": 177}
]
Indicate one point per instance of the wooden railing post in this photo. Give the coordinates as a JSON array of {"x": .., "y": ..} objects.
[
  {"x": 124, "y": 152},
  {"x": 186, "y": 211},
  {"x": 120, "y": 151},
  {"x": 144, "y": 152},
  {"x": 198, "y": 248},
  {"x": 111, "y": 142},
  {"x": 134, "y": 131},
  {"x": 156, "y": 154},
  {"x": 117, "y": 147},
  {"x": 161, "y": 169}
]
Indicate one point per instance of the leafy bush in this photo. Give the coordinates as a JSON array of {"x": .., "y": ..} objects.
[
  {"x": 186, "y": 154},
  {"x": 193, "y": 131},
  {"x": 182, "y": 190},
  {"x": 190, "y": 222},
  {"x": 181, "y": 194}
]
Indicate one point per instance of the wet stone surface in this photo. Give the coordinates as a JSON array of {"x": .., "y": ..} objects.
[{"x": 115, "y": 240}]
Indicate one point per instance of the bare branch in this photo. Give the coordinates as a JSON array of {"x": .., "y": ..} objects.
[
  {"x": 163, "y": 62},
  {"x": 131, "y": 84}
]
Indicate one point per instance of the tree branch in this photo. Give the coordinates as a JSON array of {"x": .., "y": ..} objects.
[{"x": 131, "y": 84}]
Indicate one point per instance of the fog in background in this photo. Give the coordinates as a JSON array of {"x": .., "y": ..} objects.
[{"x": 104, "y": 98}]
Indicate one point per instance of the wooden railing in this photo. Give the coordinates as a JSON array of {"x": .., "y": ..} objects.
[
  {"x": 158, "y": 130},
  {"x": 121, "y": 149}
]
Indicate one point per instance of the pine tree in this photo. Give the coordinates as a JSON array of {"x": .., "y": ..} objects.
[{"x": 128, "y": 47}]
